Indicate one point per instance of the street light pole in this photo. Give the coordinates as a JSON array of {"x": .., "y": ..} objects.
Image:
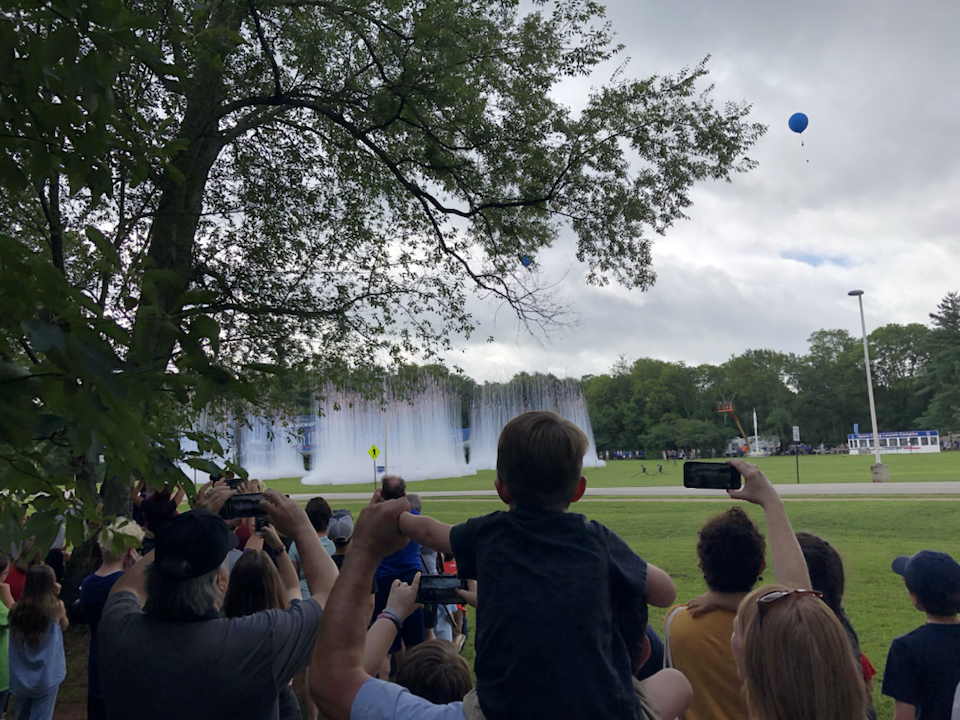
[{"x": 879, "y": 472}]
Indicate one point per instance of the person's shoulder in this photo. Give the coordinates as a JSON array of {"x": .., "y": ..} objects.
[{"x": 381, "y": 700}]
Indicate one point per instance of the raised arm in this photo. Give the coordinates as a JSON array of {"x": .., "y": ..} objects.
[
  {"x": 337, "y": 669},
  {"x": 789, "y": 567},
  {"x": 427, "y": 531},
  {"x": 178, "y": 496},
  {"x": 135, "y": 493},
  {"x": 290, "y": 519},
  {"x": 661, "y": 592},
  {"x": 401, "y": 603}
]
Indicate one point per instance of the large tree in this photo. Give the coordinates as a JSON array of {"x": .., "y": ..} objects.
[{"x": 193, "y": 192}]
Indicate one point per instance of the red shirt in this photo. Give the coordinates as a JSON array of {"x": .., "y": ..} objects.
[{"x": 15, "y": 580}]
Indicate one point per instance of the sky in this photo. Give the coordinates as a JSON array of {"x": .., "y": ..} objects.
[{"x": 871, "y": 201}]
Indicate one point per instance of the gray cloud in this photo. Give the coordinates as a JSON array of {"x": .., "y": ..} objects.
[{"x": 765, "y": 261}]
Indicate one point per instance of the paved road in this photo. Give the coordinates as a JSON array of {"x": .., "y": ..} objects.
[{"x": 785, "y": 490}]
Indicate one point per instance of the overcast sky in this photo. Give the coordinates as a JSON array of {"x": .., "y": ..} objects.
[{"x": 765, "y": 261}]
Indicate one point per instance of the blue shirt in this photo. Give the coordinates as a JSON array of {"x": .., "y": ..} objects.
[
  {"x": 923, "y": 670},
  {"x": 403, "y": 561},
  {"x": 93, "y": 596},
  {"x": 37, "y": 669}
]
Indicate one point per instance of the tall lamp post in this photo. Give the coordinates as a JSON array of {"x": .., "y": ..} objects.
[{"x": 878, "y": 472}]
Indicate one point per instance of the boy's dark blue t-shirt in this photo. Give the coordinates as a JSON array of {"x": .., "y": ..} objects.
[
  {"x": 93, "y": 596},
  {"x": 549, "y": 640},
  {"x": 923, "y": 669}
]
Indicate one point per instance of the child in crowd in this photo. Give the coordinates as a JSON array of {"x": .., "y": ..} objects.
[
  {"x": 6, "y": 602},
  {"x": 923, "y": 666},
  {"x": 37, "y": 662},
  {"x": 556, "y": 591}
]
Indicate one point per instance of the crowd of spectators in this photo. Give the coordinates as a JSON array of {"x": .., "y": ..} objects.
[{"x": 218, "y": 616}]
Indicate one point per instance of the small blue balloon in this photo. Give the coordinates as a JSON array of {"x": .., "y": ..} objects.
[
  {"x": 798, "y": 122},
  {"x": 526, "y": 261}
]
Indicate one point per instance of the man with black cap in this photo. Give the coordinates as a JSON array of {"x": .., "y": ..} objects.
[
  {"x": 923, "y": 666},
  {"x": 177, "y": 657}
]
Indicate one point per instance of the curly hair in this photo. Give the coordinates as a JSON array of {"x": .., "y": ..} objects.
[{"x": 731, "y": 551}]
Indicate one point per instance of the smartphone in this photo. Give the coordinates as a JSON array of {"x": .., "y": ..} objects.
[
  {"x": 260, "y": 525},
  {"x": 718, "y": 476},
  {"x": 238, "y": 506},
  {"x": 440, "y": 589}
]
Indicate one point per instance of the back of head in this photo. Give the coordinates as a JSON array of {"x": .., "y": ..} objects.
[
  {"x": 37, "y": 605},
  {"x": 393, "y": 487},
  {"x": 435, "y": 671},
  {"x": 254, "y": 586},
  {"x": 539, "y": 459},
  {"x": 826, "y": 569},
  {"x": 797, "y": 661},
  {"x": 116, "y": 537},
  {"x": 934, "y": 577},
  {"x": 415, "y": 502},
  {"x": 183, "y": 580},
  {"x": 731, "y": 551},
  {"x": 319, "y": 512}
]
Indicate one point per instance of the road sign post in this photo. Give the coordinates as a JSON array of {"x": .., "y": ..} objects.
[
  {"x": 374, "y": 452},
  {"x": 796, "y": 449}
]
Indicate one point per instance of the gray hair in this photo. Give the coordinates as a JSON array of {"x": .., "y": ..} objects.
[
  {"x": 172, "y": 600},
  {"x": 415, "y": 502}
]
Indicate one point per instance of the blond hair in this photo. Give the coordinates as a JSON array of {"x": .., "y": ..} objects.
[
  {"x": 116, "y": 537},
  {"x": 797, "y": 660}
]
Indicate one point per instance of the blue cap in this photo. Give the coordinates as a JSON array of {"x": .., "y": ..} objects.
[{"x": 929, "y": 574}]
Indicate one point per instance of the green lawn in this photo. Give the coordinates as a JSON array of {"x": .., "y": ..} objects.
[
  {"x": 867, "y": 533},
  {"x": 627, "y": 473}
]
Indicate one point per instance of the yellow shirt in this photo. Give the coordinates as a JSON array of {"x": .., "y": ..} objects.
[{"x": 701, "y": 650}]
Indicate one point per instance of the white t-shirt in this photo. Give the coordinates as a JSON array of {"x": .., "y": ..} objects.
[{"x": 955, "y": 715}]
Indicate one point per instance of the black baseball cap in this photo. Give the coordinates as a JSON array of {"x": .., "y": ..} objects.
[
  {"x": 929, "y": 574},
  {"x": 193, "y": 544}
]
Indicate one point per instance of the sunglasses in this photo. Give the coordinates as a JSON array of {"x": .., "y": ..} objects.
[{"x": 765, "y": 601}]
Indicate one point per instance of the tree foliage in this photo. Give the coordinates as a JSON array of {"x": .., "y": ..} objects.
[
  {"x": 198, "y": 194},
  {"x": 658, "y": 405}
]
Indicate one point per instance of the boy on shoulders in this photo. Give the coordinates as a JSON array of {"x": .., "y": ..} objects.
[{"x": 570, "y": 658}]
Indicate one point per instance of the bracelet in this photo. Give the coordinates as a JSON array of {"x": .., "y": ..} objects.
[
  {"x": 392, "y": 617},
  {"x": 275, "y": 553}
]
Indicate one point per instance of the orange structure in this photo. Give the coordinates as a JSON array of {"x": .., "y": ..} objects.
[{"x": 727, "y": 407}]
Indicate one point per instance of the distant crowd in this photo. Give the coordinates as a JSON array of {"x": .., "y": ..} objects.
[{"x": 213, "y": 612}]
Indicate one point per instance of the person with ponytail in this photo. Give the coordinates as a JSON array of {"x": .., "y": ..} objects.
[{"x": 37, "y": 661}]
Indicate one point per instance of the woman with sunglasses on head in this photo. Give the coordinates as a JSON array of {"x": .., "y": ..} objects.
[{"x": 792, "y": 653}]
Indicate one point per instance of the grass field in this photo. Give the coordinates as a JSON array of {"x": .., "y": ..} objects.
[
  {"x": 867, "y": 533},
  {"x": 627, "y": 473}
]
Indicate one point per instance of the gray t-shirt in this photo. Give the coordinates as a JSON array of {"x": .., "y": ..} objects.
[
  {"x": 379, "y": 700},
  {"x": 208, "y": 669}
]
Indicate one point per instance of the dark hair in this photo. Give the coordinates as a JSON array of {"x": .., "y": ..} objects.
[
  {"x": 731, "y": 551},
  {"x": 435, "y": 671},
  {"x": 319, "y": 512},
  {"x": 254, "y": 586},
  {"x": 939, "y": 604},
  {"x": 393, "y": 487},
  {"x": 539, "y": 459},
  {"x": 826, "y": 569},
  {"x": 37, "y": 605},
  {"x": 4, "y": 563},
  {"x": 172, "y": 600}
]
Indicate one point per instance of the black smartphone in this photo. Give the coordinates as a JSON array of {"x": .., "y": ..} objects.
[
  {"x": 717, "y": 476},
  {"x": 440, "y": 589},
  {"x": 238, "y": 506}
]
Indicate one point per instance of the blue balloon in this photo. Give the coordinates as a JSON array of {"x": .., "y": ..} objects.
[
  {"x": 526, "y": 261},
  {"x": 798, "y": 122}
]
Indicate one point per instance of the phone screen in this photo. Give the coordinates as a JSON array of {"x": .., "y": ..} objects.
[
  {"x": 717, "y": 476},
  {"x": 440, "y": 589}
]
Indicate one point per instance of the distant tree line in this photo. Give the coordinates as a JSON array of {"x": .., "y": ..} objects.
[{"x": 653, "y": 404}]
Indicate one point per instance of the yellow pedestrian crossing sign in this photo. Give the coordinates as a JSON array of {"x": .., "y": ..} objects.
[{"x": 373, "y": 452}]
